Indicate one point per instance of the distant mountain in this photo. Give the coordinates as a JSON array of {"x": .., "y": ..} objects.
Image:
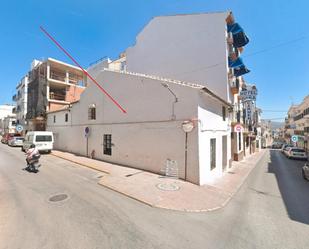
[{"x": 274, "y": 124}]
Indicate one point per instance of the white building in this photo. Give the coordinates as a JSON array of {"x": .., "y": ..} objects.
[
  {"x": 9, "y": 124},
  {"x": 152, "y": 130},
  {"x": 21, "y": 101},
  {"x": 193, "y": 48},
  {"x": 297, "y": 123},
  {"x": 169, "y": 52},
  {"x": 5, "y": 110}
]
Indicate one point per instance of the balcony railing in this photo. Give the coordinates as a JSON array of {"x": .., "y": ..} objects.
[
  {"x": 57, "y": 96},
  {"x": 234, "y": 84},
  {"x": 57, "y": 76}
]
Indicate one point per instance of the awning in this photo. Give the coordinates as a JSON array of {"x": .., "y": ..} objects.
[
  {"x": 236, "y": 63},
  {"x": 234, "y": 28},
  {"x": 238, "y": 66},
  {"x": 241, "y": 71},
  {"x": 239, "y": 37}
]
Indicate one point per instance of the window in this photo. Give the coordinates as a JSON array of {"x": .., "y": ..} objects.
[
  {"x": 223, "y": 113},
  {"x": 43, "y": 138},
  {"x": 212, "y": 153},
  {"x": 107, "y": 144},
  {"x": 54, "y": 118},
  {"x": 66, "y": 117},
  {"x": 92, "y": 112},
  {"x": 239, "y": 141}
]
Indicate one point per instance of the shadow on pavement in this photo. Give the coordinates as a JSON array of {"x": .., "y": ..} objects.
[{"x": 294, "y": 189}]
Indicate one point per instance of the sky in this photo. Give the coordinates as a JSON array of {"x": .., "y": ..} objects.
[{"x": 276, "y": 55}]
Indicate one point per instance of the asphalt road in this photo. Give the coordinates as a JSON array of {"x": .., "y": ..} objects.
[{"x": 271, "y": 210}]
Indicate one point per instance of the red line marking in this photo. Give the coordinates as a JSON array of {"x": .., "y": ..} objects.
[{"x": 84, "y": 71}]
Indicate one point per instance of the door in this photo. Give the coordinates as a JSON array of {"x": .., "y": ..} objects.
[{"x": 224, "y": 152}]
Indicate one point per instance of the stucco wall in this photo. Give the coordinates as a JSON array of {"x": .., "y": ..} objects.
[
  {"x": 211, "y": 125},
  {"x": 143, "y": 138},
  {"x": 192, "y": 48}
]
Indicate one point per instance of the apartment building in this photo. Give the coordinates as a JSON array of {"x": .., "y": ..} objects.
[
  {"x": 52, "y": 84},
  {"x": 297, "y": 123},
  {"x": 266, "y": 133},
  {"x": 5, "y": 111},
  {"x": 203, "y": 48},
  {"x": 21, "y": 98}
]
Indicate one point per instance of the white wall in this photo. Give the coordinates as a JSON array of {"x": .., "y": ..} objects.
[
  {"x": 192, "y": 48},
  {"x": 212, "y": 125},
  {"x": 5, "y": 110},
  {"x": 143, "y": 138}
]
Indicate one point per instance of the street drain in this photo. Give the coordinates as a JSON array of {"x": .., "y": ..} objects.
[
  {"x": 60, "y": 197},
  {"x": 167, "y": 187}
]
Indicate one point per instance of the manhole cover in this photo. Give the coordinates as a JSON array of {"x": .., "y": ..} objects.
[
  {"x": 168, "y": 186},
  {"x": 59, "y": 197}
]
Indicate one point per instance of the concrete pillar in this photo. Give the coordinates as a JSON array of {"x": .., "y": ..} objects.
[
  {"x": 48, "y": 71},
  {"x": 66, "y": 77}
]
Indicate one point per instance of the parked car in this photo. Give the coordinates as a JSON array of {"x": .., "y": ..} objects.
[
  {"x": 277, "y": 145},
  {"x": 43, "y": 140},
  {"x": 305, "y": 171},
  {"x": 296, "y": 153},
  {"x": 16, "y": 141},
  {"x": 285, "y": 147},
  {"x": 5, "y": 138}
]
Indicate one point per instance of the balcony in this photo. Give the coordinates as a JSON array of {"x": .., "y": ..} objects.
[
  {"x": 234, "y": 84},
  {"x": 239, "y": 37},
  {"x": 299, "y": 132},
  {"x": 57, "y": 75},
  {"x": 57, "y": 96},
  {"x": 14, "y": 98}
]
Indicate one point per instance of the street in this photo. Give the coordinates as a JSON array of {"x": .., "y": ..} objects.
[{"x": 271, "y": 210}]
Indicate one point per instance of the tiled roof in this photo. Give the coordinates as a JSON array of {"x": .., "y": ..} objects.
[{"x": 153, "y": 77}]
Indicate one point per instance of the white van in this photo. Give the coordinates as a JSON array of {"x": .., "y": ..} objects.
[{"x": 43, "y": 140}]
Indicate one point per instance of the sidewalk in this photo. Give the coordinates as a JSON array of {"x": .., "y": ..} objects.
[{"x": 173, "y": 194}]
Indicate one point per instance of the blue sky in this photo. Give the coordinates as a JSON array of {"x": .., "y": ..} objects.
[{"x": 276, "y": 55}]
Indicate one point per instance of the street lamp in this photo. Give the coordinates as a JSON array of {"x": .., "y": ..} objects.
[{"x": 187, "y": 126}]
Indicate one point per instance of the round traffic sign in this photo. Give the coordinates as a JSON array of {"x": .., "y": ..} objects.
[
  {"x": 19, "y": 128},
  {"x": 87, "y": 131},
  {"x": 238, "y": 128},
  {"x": 294, "y": 138}
]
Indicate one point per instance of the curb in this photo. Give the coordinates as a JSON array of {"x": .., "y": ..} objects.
[
  {"x": 84, "y": 165},
  {"x": 222, "y": 205},
  {"x": 242, "y": 183}
]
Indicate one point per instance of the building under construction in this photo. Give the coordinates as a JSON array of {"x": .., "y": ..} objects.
[{"x": 52, "y": 85}]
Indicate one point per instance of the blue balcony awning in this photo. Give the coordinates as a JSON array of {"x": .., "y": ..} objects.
[
  {"x": 239, "y": 37},
  {"x": 239, "y": 71},
  {"x": 236, "y": 63},
  {"x": 238, "y": 66},
  {"x": 234, "y": 28}
]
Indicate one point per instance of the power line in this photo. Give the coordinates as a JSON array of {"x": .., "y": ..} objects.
[{"x": 252, "y": 54}]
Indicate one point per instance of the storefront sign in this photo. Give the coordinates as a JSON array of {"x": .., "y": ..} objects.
[{"x": 249, "y": 93}]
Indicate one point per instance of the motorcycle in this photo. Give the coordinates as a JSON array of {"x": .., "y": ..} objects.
[{"x": 33, "y": 165}]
